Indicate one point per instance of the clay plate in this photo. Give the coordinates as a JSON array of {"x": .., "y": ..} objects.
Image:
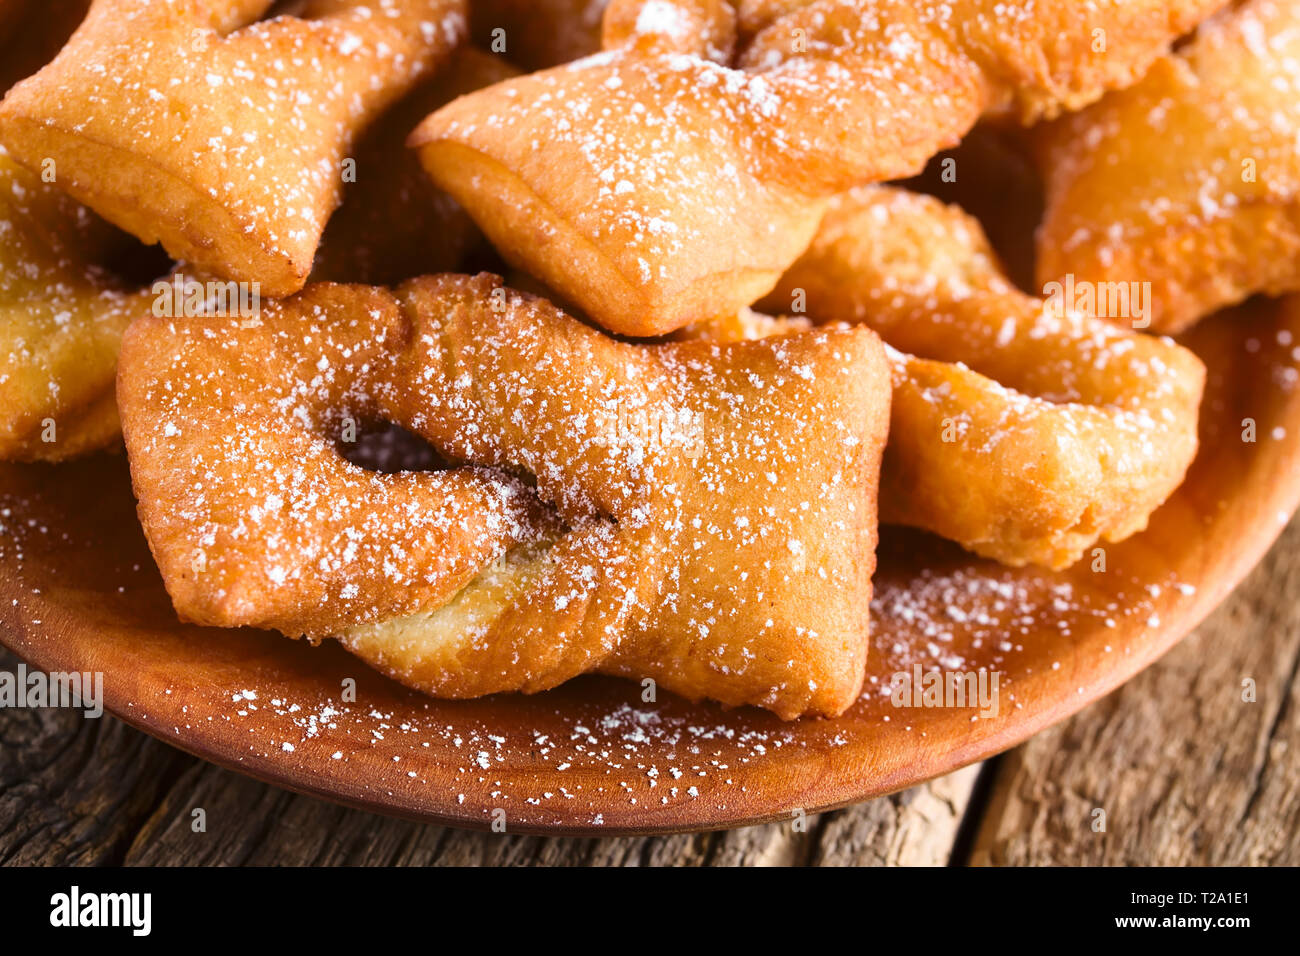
[{"x": 78, "y": 591}]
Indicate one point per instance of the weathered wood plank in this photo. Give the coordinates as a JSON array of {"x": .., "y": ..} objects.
[
  {"x": 917, "y": 827},
  {"x": 74, "y": 790},
  {"x": 250, "y": 823},
  {"x": 1185, "y": 771}
]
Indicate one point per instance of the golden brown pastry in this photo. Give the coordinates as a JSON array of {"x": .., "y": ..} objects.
[
  {"x": 674, "y": 177},
  {"x": 63, "y": 308},
  {"x": 1190, "y": 181},
  {"x": 62, "y": 314},
  {"x": 186, "y": 122},
  {"x": 714, "y": 504},
  {"x": 1022, "y": 431},
  {"x": 63, "y": 303}
]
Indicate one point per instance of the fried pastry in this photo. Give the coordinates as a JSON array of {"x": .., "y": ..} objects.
[
  {"x": 674, "y": 177},
  {"x": 1023, "y": 431},
  {"x": 1189, "y": 181},
  {"x": 61, "y": 319},
  {"x": 222, "y": 138},
  {"x": 710, "y": 519}
]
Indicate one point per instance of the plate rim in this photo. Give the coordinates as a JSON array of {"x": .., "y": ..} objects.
[{"x": 1275, "y": 466}]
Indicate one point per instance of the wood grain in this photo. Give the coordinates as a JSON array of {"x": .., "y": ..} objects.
[
  {"x": 79, "y": 791},
  {"x": 1185, "y": 770},
  {"x": 78, "y": 591},
  {"x": 72, "y": 790}
]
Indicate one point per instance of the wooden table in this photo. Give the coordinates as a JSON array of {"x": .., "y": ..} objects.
[{"x": 1184, "y": 770}]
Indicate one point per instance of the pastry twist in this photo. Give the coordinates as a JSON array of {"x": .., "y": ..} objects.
[
  {"x": 674, "y": 177},
  {"x": 186, "y": 123},
  {"x": 63, "y": 310},
  {"x": 1023, "y": 431},
  {"x": 713, "y": 524},
  {"x": 62, "y": 314},
  {"x": 1190, "y": 180}
]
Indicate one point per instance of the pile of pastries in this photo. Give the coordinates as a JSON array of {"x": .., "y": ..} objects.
[{"x": 726, "y": 346}]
